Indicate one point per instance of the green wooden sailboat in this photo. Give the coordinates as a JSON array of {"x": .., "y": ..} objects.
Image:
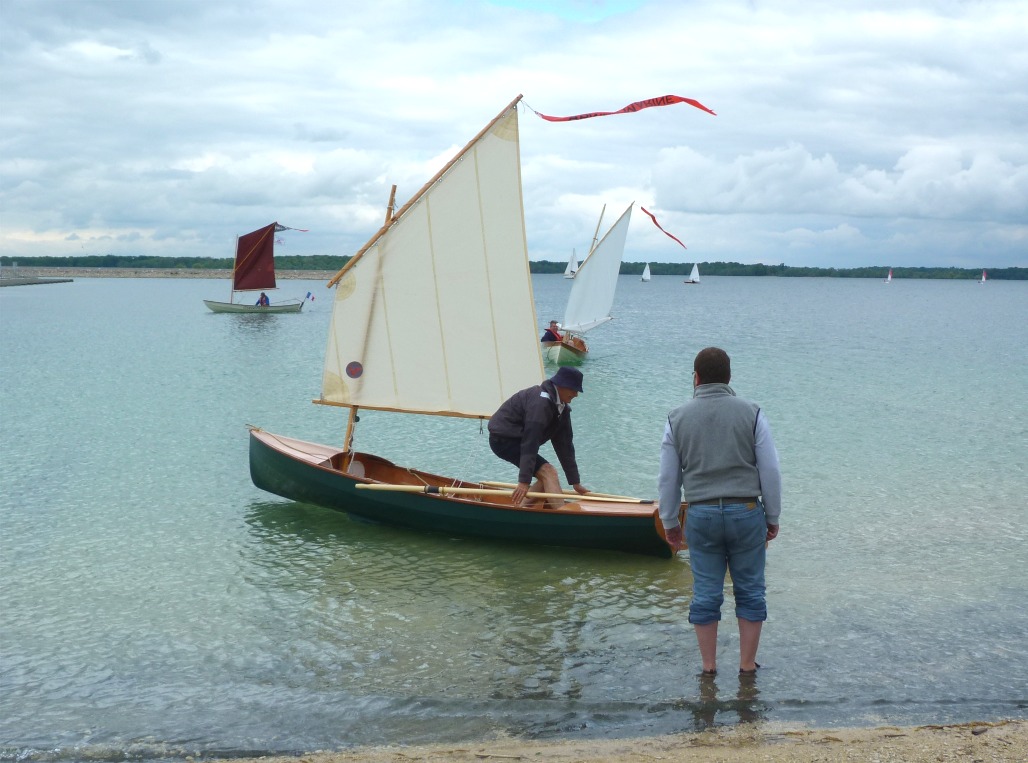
[{"x": 435, "y": 316}]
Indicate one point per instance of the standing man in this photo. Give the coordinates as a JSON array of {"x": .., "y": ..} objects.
[
  {"x": 530, "y": 418},
  {"x": 718, "y": 451}
]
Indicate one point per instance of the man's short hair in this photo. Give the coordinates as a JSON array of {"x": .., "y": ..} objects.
[{"x": 713, "y": 366}]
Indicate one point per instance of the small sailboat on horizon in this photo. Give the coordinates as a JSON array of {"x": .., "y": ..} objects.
[
  {"x": 888, "y": 278},
  {"x": 983, "y": 277},
  {"x": 646, "y": 273},
  {"x": 694, "y": 276},
  {"x": 572, "y": 268}
]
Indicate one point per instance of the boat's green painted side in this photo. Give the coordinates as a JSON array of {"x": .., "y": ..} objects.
[
  {"x": 237, "y": 307},
  {"x": 561, "y": 354},
  {"x": 277, "y": 471}
]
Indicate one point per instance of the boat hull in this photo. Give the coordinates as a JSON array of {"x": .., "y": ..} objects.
[
  {"x": 328, "y": 477},
  {"x": 569, "y": 352},
  {"x": 237, "y": 307}
]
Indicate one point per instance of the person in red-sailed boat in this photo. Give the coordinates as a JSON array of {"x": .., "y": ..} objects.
[
  {"x": 528, "y": 419},
  {"x": 552, "y": 334},
  {"x": 263, "y": 301}
]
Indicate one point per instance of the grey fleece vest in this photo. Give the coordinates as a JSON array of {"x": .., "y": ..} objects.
[{"x": 715, "y": 440}]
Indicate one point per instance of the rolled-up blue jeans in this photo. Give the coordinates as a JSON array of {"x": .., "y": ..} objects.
[{"x": 726, "y": 537}]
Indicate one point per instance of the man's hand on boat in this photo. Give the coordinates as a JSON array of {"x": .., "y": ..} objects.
[
  {"x": 522, "y": 488},
  {"x": 519, "y": 493}
]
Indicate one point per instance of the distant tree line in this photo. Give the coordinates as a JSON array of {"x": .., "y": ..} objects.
[
  {"x": 287, "y": 262},
  {"x": 335, "y": 262}
]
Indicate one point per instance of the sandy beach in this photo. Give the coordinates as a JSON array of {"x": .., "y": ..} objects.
[{"x": 1000, "y": 741}]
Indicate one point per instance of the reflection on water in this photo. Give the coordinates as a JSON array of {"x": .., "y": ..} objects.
[
  {"x": 717, "y": 708},
  {"x": 245, "y": 326},
  {"x": 449, "y": 617}
]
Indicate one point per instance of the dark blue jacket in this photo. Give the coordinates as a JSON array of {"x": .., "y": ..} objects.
[{"x": 531, "y": 416}]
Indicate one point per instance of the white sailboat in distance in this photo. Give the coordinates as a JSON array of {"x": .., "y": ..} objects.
[
  {"x": 888, "y": 278},
  {"x": 646, "y": 273},
  {"x": 572, "y": 268},
  {"x": 592, "y": 293},
  {"x": 694, "y": 276}
]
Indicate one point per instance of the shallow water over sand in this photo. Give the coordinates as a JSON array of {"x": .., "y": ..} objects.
[{"x": 155, "y": 603}]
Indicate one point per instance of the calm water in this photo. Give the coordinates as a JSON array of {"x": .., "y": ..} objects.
[{"x": 155, "y": 604}]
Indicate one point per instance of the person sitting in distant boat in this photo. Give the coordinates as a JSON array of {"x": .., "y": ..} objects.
[
  {"x": 552, "y": 334},
  {"x": 531, "y": 417},
  {"x": 263, "y": 300}
]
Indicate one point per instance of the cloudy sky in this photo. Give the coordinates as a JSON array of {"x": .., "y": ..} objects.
[{"x": 849, "y": 133}]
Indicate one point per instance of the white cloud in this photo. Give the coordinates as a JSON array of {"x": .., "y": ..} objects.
[{"x": 848, "y": 133}]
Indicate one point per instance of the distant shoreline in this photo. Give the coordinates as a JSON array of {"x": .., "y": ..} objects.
[
  {"x": 37, "y": 272},
  {"x": 7, "y": 273}
]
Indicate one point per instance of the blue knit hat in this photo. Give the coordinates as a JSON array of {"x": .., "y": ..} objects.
[{"x": 569, "y": 378}]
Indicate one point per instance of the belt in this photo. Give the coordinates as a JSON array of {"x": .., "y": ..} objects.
[{"x": 723, "y": 501}]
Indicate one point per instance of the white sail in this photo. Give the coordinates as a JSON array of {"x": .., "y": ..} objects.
[
  {"x": 437, "y": 315},
  {"x": 888, "y": 278},
  {"x": 592, "y": 293},
  {"x": 572, "y": 268},
  {"x": 694, "y": 276},
  {"x": 646, "y": 272},
  {"x": 983, "y": 277}
]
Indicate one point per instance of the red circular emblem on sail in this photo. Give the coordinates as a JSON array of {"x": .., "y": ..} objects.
[{"x": 354, "y": 369}]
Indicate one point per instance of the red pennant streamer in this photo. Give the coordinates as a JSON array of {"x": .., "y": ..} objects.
[
  {"x": 662, "y": 230},
  {"x": 664, "y": 100}
]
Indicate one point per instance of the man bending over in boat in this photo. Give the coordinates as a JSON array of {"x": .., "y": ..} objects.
[
  {"x": 263, "y": 301},
  {"x": 530, "y": 418},
  {"x": 552, "y": 334}
]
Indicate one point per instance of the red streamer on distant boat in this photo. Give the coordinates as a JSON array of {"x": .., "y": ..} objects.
[
  {"x": 659, "y": 226},
  {"x": 663, "y": 100}
]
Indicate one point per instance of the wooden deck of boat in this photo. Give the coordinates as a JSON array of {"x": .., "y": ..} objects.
[{"x": 369, "y": 467}]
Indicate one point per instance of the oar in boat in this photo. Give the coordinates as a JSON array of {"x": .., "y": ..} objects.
[
  {"x": 437, "y": 490},
  {"x": 590, "y": 494}
]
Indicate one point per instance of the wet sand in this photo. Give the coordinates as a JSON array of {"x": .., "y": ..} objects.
[{"x": 986, "y": 742}]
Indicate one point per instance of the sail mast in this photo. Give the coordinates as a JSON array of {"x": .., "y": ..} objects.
[
  {"x": 596, "y": 232},
  {"x": 351, "y": 420},
  {"x": 391, "y": 205},
  {"x": 232, "y": 278}
]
